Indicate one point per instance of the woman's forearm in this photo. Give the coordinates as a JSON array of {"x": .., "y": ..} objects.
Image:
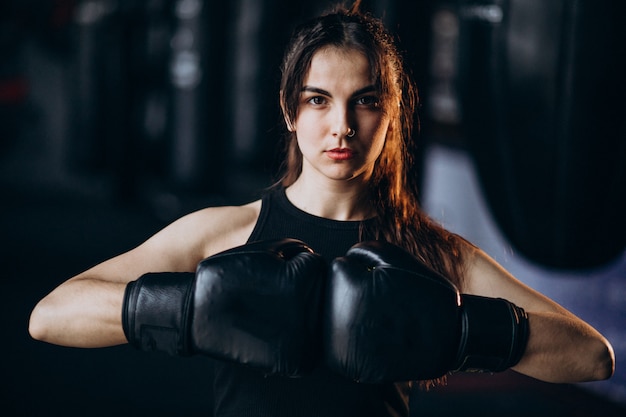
[
  {"x": 80, "y": 313},
  {"x": 562, "y": 350}
]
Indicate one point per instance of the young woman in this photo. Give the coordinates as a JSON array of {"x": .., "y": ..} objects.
[{"x": 348, "y": 107}]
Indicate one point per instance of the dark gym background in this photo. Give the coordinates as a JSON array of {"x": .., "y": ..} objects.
[{"x": 116, "y": 117}]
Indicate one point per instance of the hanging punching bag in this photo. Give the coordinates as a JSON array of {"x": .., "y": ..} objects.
[{"x": 543, "y": 92}]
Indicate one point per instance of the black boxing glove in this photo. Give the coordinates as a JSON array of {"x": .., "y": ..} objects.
[
  {"x": 389, "y": 318},
  {"x": 257, "y": 304}
]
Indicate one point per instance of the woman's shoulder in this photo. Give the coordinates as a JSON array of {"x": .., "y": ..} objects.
[
  {"x": 233, "y": 213},
  {"x": 207, "y": 231},
  {"x": 225, "y": 227},
  {"x": 484, "y": 275}
]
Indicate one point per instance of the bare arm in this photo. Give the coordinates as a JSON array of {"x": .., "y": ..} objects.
[
  {"x": 85, "y": 311},
  {"x": 561, "y": 346}
]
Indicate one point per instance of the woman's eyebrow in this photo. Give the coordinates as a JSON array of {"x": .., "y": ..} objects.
[
  {"x": 310, "y": 89},
  {"x": 315, "y": 90},
  {"x": 367, "y": 89}
]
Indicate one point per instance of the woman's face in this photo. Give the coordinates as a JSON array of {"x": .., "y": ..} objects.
[{"x": 338, "y": 95}]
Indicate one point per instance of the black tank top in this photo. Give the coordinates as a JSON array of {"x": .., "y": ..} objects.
[{"x": 244, "y": 392}]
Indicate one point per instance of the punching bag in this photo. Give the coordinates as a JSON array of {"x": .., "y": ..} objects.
[{"x": 543, "y": 93}]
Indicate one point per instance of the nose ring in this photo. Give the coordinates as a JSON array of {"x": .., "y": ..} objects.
[{"x": 351, "y": 132}]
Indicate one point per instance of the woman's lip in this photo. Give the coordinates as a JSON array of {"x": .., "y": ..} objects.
[{"x": 340, "y": 154}]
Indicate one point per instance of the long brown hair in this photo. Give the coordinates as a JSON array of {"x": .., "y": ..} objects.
[{"x": 399, "y": 219}]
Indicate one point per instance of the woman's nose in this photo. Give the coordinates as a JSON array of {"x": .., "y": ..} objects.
[{"x": 341, "y": 123}]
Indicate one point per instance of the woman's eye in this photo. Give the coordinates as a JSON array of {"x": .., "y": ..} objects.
[
  {"x": 371, "y": 101},
  {"x": 317, "y": 100}
]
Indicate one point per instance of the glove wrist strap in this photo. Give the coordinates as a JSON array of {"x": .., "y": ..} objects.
[
  {"x": 494, "y": 334},
  {"x": 155, "y": 310}
]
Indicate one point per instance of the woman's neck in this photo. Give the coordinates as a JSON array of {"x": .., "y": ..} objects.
[{"x": 337, "y": 200}]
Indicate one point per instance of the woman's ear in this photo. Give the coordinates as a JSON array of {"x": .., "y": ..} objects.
[
  {"x": 283, "y": 108},
  {"x": 290, "y": 126},
  {"x": 391, "y": 126}
]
